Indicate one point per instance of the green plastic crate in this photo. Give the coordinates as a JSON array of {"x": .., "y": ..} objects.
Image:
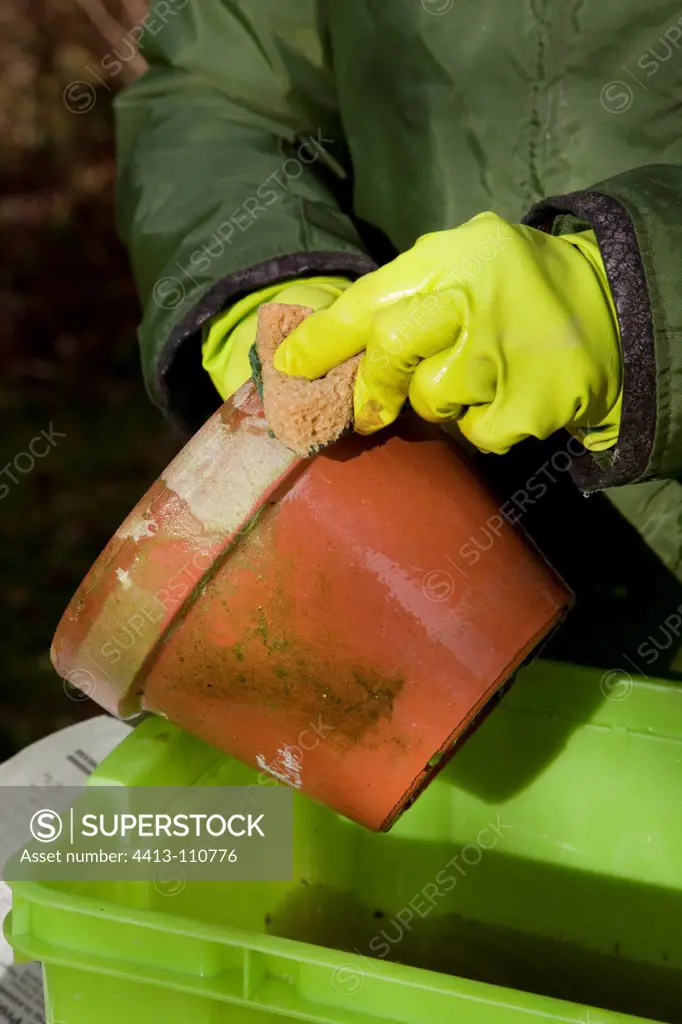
[{"x": 573, "y": 914}]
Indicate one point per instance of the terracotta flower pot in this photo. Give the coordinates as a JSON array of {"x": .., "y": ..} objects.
[{"x": 323, "y": 619}]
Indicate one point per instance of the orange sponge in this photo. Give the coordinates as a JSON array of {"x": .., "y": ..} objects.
[{"x": 303, "y": 414}]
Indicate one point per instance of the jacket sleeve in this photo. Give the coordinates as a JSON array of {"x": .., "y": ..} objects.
[
  {"x": 637, "y": 219},
  {"x": 229, "y": 175}
]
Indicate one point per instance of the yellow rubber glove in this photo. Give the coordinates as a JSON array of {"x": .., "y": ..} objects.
[
  {"x": 504, "y": 329},
  {"x": 228, "y": 336}
]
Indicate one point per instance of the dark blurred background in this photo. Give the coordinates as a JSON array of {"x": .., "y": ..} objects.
[{"x": 68, "y": 318}]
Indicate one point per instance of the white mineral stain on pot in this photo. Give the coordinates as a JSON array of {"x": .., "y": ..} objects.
[
  {"x": 138, "y": 529},
  {"x": 286, "y": 768},
  {"x": 123, "y": 577},
  {"x": 253, "y": 422},
  {"x": 223, "y": 474},
  {"x": 241, "y": 396}
]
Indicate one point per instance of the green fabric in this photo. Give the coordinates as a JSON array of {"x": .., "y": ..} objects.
[
  {"x": 448, "y": 110},
  {"x": 654, "y": 508},
  {"x": 212, "y": 176}
]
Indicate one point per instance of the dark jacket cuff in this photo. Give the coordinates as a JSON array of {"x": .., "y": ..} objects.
[
  {"x": 615, "y": 234},
  {"x": 187, "y": 393}
]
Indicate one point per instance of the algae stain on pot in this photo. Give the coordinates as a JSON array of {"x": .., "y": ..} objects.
[
  {"x": 353, "y": 707},
  {"x": 350, "y": 700},
  {"x": 272, "y": 643},
  {"x": 262, "y": 662}
]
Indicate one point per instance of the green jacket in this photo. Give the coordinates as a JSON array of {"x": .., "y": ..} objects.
[{"x": 277, "y": 138}]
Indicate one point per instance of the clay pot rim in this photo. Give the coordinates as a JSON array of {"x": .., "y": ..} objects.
[{"x": 121, "y": 694}]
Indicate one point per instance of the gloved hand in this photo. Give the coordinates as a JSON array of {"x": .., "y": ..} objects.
[
  {"x": 506, "y": 330},
  {"x": 228, "y": 336}
]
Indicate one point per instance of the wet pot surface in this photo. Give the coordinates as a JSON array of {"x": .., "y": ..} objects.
[{"x": 328, "y": 620}]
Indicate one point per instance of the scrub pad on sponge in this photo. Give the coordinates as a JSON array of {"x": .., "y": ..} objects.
[{"x": 305, "y": 415}]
